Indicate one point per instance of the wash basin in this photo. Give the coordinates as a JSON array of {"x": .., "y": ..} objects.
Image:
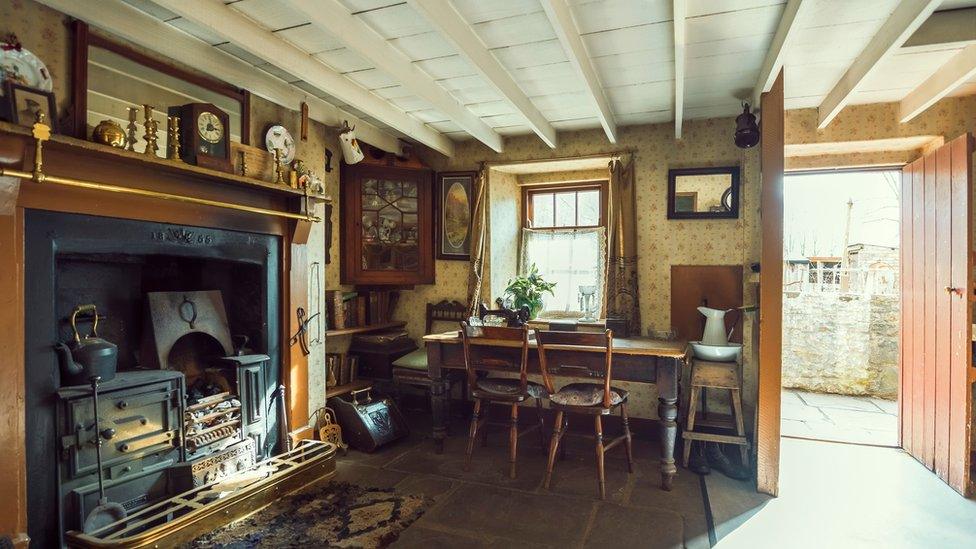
[{"x": 717, "y": 353}]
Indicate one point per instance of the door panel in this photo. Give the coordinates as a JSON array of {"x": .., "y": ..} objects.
[{"x": 936, "y": 334}]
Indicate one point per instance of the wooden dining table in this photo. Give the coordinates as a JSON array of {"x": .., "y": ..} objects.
[{"x": 635, "y": 359}]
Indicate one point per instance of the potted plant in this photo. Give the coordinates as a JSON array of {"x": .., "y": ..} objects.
[{"x": 527, "y": 290}]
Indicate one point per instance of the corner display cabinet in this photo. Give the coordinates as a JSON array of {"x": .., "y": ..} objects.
[{"x": 387, "y": 226}]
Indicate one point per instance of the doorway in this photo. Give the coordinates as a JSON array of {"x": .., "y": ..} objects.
[{"x": 841, "y": 306}]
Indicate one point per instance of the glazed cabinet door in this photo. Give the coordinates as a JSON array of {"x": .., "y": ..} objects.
[{"x": 387, "y": 227}]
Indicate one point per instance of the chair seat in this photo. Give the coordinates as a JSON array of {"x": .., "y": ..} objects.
[
  {"x": 414, "y": 360},
  {"x": 586, "y": 394},
  {"x": 510, "y": 388}
]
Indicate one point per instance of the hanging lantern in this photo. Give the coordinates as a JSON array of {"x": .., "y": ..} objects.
[{"x": 746, "y": 129}]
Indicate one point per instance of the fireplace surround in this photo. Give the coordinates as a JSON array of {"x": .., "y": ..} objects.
[{"x": 71, "y": 259}]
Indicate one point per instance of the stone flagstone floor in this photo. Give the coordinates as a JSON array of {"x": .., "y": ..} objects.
[{"x": 840, "y": 418}]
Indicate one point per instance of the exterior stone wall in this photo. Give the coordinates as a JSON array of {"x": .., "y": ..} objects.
[{"x": 841, "y": 343}]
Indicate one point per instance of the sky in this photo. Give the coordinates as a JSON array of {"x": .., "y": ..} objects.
[{"x": 816, "y": 211}]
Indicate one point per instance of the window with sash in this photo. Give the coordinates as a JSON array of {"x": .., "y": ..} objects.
[{"x": 564, "y": 235}]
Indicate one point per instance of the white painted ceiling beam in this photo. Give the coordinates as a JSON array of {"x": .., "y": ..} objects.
[
  {"x": 900, "y": 25},
  {"x": 785, "y": 33},
  {"x": 945, "y": 29},
  {"x": 241, "y": 31},
  {"x": 567, "y": 31},
  {"x": 335, "y": 19},
  {"x": 680, "y": 11},
  {"x": 956, "y": 71},
  {"x": 452, "y": 26},
  {"x": 146, "y": 31}
]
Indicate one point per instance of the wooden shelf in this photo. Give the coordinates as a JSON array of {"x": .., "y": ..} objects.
[
  {"x": 158, "y": 163},
  {"x": 347, "y": 388},
  {"x": 365, "y": 329}
]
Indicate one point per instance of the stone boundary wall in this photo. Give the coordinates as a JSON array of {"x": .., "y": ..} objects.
[{"x": 841, "y": 343}]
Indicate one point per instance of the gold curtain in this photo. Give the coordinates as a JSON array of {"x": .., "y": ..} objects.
[
  {"x": 479, "y": 240},
  {"x": 621, "y": 281}
]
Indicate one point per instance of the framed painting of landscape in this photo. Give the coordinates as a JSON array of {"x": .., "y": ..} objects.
[{"x": 455, "y": 205}]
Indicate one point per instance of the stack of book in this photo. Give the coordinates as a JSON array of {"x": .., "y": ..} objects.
[
  {"x": 341, "y": 369},
  {"x": 362, "y": 308}
]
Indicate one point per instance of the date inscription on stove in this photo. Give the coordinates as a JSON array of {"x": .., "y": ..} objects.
[{"x": 183, "y": 236}]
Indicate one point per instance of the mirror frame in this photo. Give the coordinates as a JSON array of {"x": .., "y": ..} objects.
[{"x": 673, "y": 174}]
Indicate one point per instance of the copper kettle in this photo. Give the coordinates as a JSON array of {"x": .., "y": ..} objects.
[{"x": 89, "y": 356}]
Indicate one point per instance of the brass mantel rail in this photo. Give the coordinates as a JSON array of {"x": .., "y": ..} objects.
[{"x": 42, "y": 132}]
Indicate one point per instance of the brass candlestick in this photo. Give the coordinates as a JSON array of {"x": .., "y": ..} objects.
[
  {"x": 173, "y": 137},
  {"x": 243, "y": 163},
  {"x": 151, "y": 127},
  {"x": 279, "y": 175},
  {"x": 131, "y": 129}
]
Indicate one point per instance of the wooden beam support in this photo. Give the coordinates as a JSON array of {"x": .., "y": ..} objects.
[
  {"x": 785, "y": 33},
  {"x": 335, "y": 19},
  {"x": 453, "y": 27},
  {"x": 561, "y": 18},
  {"x": 771, "y": 290},
  {"x": 680, "y": 11},
  {"x": 900, "y": 25},
  {"x": 136, "y": 26},
  {"x": 955, "y": 72}
]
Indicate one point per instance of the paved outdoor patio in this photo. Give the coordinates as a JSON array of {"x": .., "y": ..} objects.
[{"x": 841, "y": 418}]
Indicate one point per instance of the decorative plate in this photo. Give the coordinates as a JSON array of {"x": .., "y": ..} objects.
[
  {"x": 23, "y": 67},
  {"x": 279, "y": 138}
]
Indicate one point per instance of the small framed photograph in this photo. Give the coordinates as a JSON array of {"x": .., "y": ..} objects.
[
  {"x": 23, "y": 103},
  {"x": 455, "y": 208}
]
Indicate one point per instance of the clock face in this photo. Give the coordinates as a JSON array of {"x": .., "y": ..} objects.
[{"x": 210, "y": 128}]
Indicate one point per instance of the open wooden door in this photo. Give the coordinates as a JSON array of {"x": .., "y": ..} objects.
[{"x": 936, "y": 316}]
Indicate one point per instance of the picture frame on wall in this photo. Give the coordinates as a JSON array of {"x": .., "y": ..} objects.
[
  {"x": 22, "y": 103},
  {"x": 454, "y": 210}
]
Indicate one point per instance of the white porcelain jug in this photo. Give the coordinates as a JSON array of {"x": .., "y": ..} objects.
[{"x": 714, "y": 326}]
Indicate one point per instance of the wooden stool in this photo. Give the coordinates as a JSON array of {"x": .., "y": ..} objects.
[{"x": 716, "y": 375}]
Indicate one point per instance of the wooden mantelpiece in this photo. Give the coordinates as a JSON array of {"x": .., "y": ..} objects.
[
  {"x": 70, "y": 157},
  {"x": 139, "y": 160}
]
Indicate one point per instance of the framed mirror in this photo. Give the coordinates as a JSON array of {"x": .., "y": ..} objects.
[{"x": 703, "y": 193}]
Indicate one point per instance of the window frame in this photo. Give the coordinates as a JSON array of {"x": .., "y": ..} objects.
[{"x": 528, "y": 191}]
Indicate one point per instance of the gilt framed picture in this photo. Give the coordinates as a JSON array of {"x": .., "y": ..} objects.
[{"x": 454, "y": 210}]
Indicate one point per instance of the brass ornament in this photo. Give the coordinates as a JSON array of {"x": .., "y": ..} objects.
[
  {"x": 151, "y": 127},
  {"x": 331, "y": 432},
  {"x": 279, "y": 171},
  {"x": 173, "y": 138},
  {"x": 243, "y": 163},
  {"x": 109, "y": 132},
  {"x": 131, "y": 138}
]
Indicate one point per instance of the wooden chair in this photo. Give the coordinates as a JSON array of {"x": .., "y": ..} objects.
[
  {"x": 480, "y": 359},
  {"x": 594, "y": 399},
  {"x": 411, "y": 369}
]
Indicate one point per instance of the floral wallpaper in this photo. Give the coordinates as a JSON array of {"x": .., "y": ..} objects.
[
  {"x": 44, "y": 33},
  {"x": 661, "y": 243}
]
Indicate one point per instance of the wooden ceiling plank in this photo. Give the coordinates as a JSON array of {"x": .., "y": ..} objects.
[
  {"x": 958, "y": 70},
  {"x": 452, "y": 26},
  {"x": 258, "y": 41},
  {"x": 680, "y": 11},
  {"x": 775, "y": 55},
  {"x": 900, "y": 25},
  {"x": 144, "y": 30},
  {"x": 567, "y": 32},
  {"x": 332, "y": 17}
]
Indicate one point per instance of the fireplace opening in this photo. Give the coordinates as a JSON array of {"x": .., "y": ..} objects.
[{"x": 195, "y": 315}]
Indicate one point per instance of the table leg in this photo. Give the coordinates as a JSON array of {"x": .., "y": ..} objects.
[
  {"x": 669, "y": 372},
  {"x": 438, "y": 396},
  {"x": 668, "y": 412}
]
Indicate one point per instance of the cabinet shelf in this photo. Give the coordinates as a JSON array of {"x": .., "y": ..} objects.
[
  {"x": 365, "y": 329},
  {"x": 339, "y": 390}
]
